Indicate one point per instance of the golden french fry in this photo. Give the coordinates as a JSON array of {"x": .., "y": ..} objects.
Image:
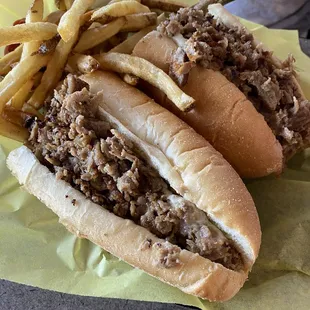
[
  {"x": 55, "y": 67},
  {"x": 19, "y": 75},
  {"x": 86, "y": 17},
  {"x": 145, "y": 70},
  {"x": 162, "y": 17},
  {"x": 103, "y": 47},
  {"x": 139, "y": 21},
  {"x": 82, "y": 63},
  {"x": 94, "y": 25},
  {"x": 115, "y": 40},
  {"x": 53, "y": 72},
  {"x": 157, "y": 11},
  {"x": 60, "y": 4},
  {"x": 69, "y": 22},
  {"x": 68, "y": 4},
  {"x": 14, "y": 116},
  {"x": 130, "y": 79},
  {"x": 119, "y": 9},
  {"x": 34, "y": 15},
  {"x": 95, "y": 36},
  {"x": 54, "y": 17},
  {"x": 21, "y": 96},
  {"x": 28, "y": 109},
  {"x": 7, "y": 60},
  {"x": 13, "y": 131},
  {"x": 47, "y": 47},
  {"x": 37, "y": 79},
  {"x": 35, "y": 12},
  {"x": 27, "y": 32},
  {"x": 127, "y": 46},
  {"x": 165, "y": 5},
  {"x": 114, "y": 1}
]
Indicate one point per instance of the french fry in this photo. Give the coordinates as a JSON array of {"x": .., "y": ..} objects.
[
  {"x": 54, "y": 17},
  {"x": 116, "y": 40},
  {"x": 19, "y": 75},
  {"x": 95, "y": 36},
  {"x": 19, "y": 100},
  {"x": 103, "y": 47},
  {"x": 165, "y": 5},
  {"x": 127, "y": 46},
  {"x": 86, "y": 17},
  {"x": 94, "y": 25},
  {"x": 114, "y": 1},
  {"x": 130, "y": 79},
  {"x": 27, "y": 108},
  {"x": 55, "y": 67},
  {"x": 119, "y": 9},
  {"x": 27, "y": 32},
  {"x": 162, "y": 17},
  {"x": 37, "y": 79},
  {"x": 68, "y": 4},
  {"x": 69, "y": 25},
  {"x": 14, "y": 116},
  {"x": 82, "y": 63},
  {"x": 7, "y": 60},
  {"x": 21, "y": 96},
  {"x": 157, "y": 11},
  {"x": 60, "y": 4},
  {"x": 48, "y": 47},
  {"x": 34, "y": 15},
  {"x": 12, "y": 131},
  {"x": 136, "y": 22},
  {"x": 53, "y": 72},
  {"x": 35, "y": 12},
  {"x": 145, "y": 70}
]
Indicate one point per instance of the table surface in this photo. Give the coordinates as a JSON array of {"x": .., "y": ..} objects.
[
  {"x": 15, "y": 296},
  {"x": 21, "y": 297}
]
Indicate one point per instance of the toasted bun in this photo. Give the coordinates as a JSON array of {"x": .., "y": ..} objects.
[
  {"x": 186, "y": 161},
  {"x": 222, "y": 114}
]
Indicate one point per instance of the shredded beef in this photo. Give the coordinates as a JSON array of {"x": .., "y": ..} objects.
[
  {"x": 101, "y": 163},
  {"x": 232, "y": 51}
]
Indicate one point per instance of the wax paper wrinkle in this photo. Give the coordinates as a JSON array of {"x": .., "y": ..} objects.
[{"x": 36, "y": 250}]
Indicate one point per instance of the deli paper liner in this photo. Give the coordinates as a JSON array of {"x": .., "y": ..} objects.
[{"x": 36, "y": 250}]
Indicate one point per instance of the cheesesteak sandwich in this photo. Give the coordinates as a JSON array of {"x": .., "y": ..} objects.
[
  {"x": 125, "y": 173},
  {"x": 249, "y": 105}
]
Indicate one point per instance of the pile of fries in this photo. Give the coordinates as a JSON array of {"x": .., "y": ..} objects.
[{"x": 76, "y": 39}]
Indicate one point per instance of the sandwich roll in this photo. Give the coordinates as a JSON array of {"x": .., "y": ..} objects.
[
  {"x": 128, "y": 175},
  {"x": 249, "y": 105},
  {"x": 222, "y": 113}
]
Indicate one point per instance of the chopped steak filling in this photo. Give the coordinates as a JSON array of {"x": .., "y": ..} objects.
[
  {"x": 98, "y": 161},
  {"x": 202, "y": 40}
]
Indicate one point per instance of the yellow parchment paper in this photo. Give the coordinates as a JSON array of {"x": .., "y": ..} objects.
[{"x": 36, "y": 250}]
